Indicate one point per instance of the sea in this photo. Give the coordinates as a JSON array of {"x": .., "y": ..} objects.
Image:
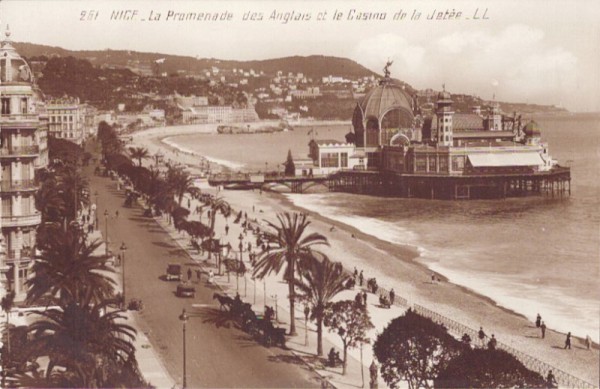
[{"x": 530, "y": 255}]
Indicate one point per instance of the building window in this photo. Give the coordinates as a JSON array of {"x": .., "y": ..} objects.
[
  {"x": 5, "y": 106},
  {"x": 329, "y": 160},
  {"x": 432, "y": 163},
  {"x": 24, "y": 105},
  {"x": 6, "y": 206},
  {"x": 443, "y": 163},
  {"x": 344, "y": 159},
  {"x": 421, "y": 163},
  {"x": 458, "y": 163}
]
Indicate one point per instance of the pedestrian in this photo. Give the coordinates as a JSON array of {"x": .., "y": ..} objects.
[
  {"x": 433, "y": 278},
  {"x": 364, "y": 298},
  {"x": 253, "y": 208},
  {"x": 568, "y": 341},
  {"x": 211, "y": 277},
  {"x": 189, "y": 204},
  {"x": 588, "y": 342},
  {"x": 355, "y": 273},
  {"x": 117, "y": 214},
  {"x": 189, "y": 273},
  {"x": 392, "y": 296},
  {"x": 550, "y": 380},
  {"x": 198, "y": 275},
  {"x": 226, "y": 229},
  {"x": 538, "y": 321},
  {"x": 361, "y": 278},
  {"x": 492, "y": 343},
  {"x": 543, "y": 328},
  {"x": 481, "y": 336},
  {"x": 249, "y": 246},
  {"x": 246, "y": 216}
]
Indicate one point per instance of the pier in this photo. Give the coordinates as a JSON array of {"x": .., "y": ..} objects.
[{"x": 555, "y": 183}]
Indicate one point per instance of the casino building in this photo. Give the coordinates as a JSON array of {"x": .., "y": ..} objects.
[
  {"x": 444, "y": 155},
  {"x": 23, "y": 150}
]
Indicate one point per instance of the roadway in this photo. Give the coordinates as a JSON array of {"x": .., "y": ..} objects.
[{"x": 217, "y": 356}]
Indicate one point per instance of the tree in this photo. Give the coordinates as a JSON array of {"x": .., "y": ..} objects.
[
  {"x": 485, "y": 368},
  {"x": 289, "y": 244},
  {"x": 138, "y": 153},
  {"x": 67, "y": 270},
  {"x": 414, "y": 348},
  {"x": 73, "y": 185},
  {"x": 49, "y": 202},
  {"x": 7, "y": 303},
  {"x": 351, "y": 321},
  {"x": 290, "y": 168},
  {"x": 321, "y": 281},
  {"x": 217, "y": 204},
  {"x": 180, "y": 182},
  {"x": 84, "y": 340}
]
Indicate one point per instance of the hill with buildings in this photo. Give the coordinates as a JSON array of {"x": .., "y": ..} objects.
[{"x": 321, "y": 87}]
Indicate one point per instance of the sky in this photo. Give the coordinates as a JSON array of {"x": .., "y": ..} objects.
[{"x": 532, "y": 51}]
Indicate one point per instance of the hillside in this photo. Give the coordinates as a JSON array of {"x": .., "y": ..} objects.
[{"x": 314, "y": 66}]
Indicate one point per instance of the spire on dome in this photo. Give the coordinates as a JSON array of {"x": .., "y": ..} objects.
[{"x": 7, "y": 32}]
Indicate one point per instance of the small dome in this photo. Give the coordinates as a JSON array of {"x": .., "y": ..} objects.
[
  {"x": 383, "y": 98},
  {"x": 13, "y": 68},
  {"x": 444, "y": 95},
  {"x": 532, "y": 129}
]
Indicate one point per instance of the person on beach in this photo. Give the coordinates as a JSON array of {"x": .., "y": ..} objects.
[
  {"x": 538, "y": 321},
  {"x": 543, "y": 328},
  {"x": 189, "y": 204},
  {"x": 551, "y": 380},
  {"x": 433, "y": 278},
  {"x": 392, "y": 296},
  {"x": 568, "y": 341},
  {"x": 361, "y": 278},
  {"x": 355, "y": 273},
  {"x": 492, "y": 343},
  {"x": 481, "y": 336},
  {"x": 588, "y": 342},
  {"x": 364, "y": 298}
]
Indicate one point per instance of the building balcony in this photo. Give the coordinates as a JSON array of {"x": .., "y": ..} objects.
[
  {"x": 20, "y": 151},
  {"x": 26, "y": 253},
  {"x": 20, "y": 119},
  {"x": 18, "y": 185},
  {"x": 21, "y": 220}
]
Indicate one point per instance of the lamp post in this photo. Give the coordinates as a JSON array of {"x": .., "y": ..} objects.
[
  {"x": 123, "y": 248},
  {"x": 254, "y": 282},
  {"x": 95, "y": 210},
  {"x": 106, "y": 231},
  {"x": 276, "y": 316},
  {"x": 184, "y": 317},
  {"x": 237, "y": 273}
]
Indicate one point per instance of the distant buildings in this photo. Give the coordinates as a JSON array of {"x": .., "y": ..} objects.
[
  {"x": 195, "y": 110},
  {"x": 23, "y": 151},
  {"x": 66, "y": 119}
]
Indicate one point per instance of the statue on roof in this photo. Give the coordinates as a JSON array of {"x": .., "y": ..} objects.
[{"x": 386, "y": 68}]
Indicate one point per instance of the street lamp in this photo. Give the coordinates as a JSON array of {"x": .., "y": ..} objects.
[
  {"x": 95, "y": 210},
  {"x": 123, "y": 248},
  {"x": 106, "y": 231},
  {"x": 184, "y": 317}
]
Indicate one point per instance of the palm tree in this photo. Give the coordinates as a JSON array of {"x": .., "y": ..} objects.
[
  {"x": 85, "y": 340},
  {"x": 180, "y": 182},
  {"x": 73, "y": 184},
  {"x": 7, "y": 303},
  {"x": 49, "y": 202},
  {"x": 217, "y": 204},
  {"x": 290, "y": 244},
  {"x": 67, "y": 270},
  {"x": 138, "y": 153},
  {"x": 322, "y": 281}
]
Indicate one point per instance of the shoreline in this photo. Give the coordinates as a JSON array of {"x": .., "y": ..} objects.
[{"x": 410, "y": 278}]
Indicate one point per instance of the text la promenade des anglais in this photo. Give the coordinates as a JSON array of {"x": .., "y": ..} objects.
[{"x": 286, "y": 16}]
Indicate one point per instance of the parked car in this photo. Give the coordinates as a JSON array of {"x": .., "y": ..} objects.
[
  {"x": 173, "y": 272},
  {"x": 186, "y": 290}
]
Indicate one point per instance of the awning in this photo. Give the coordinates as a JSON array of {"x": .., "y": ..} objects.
[{"x": 505, "y": 159}]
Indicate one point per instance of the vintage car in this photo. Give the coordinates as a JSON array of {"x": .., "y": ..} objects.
[{"x": 186, "y": 290}]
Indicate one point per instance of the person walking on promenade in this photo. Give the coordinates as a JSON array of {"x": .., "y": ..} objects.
[
  {"x": 361, "y": 278},
  {"x": 211, "y": 277},
  {"x": 538, "y": 321},
  {"x": 392, "y": 296},
  {"x": 588, "y": 342},
  {"x": 189, "y": 273},
  {"x": 226, "y": 229},
  {"x": 568, "y": 341},
  {"x": 481, "y": 336},
  {"x": 355, "y": 274},
  {"x": 543, "y": 328},
  {"x": 198, "y": 275},
  {"x": 364, "y": 298}
]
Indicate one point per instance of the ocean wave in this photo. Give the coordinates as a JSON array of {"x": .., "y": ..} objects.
[{"x": 229, "y": 164}]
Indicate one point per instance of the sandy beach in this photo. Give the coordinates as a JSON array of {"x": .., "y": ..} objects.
[{"x": 393, "y": 267}]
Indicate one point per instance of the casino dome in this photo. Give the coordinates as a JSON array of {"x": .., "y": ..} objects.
[
  {"x": 13, "y": 68},
  {"x": 532, "y": 129},
  {"x": 385, "y": 107}
]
